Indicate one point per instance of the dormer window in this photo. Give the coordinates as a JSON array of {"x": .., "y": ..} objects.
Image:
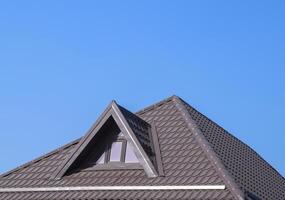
[
  {"x": 120, "y": 151},
  {"x": 118, "y": 140},
  {"x": 130, "y": 155},
  {"x": 116, "y": 152}
]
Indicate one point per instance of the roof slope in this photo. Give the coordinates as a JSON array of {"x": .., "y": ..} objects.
[
  {"x": 252, "y": 173},
  {"x": 141, "y": 130},
  {"x": 184, "y": 162}
]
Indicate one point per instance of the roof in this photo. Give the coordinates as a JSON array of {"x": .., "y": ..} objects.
[{"x": 192, "y": 151}]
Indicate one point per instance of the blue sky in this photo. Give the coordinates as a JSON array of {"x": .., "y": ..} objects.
[{"x": 62, "y": 62}]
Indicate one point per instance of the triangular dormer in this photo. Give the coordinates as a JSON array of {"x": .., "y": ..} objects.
[{"x": 118, "y": 139}]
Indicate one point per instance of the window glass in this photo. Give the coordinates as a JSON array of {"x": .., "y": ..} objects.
[
  {"x": 116, "y": 150},
  {"x": 101, "y": 159},
  {"x": 130, "y": 155}
]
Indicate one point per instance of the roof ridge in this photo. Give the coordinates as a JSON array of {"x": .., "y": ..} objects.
[
  {"x": 40, "y": 158},
  {"x": 209, "y": 151},
  {"x": 233, "y": 137},
  {"x": 155, "y": 105}
]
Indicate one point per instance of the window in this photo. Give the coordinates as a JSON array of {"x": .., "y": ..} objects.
[
  {"x": 116, "y": 151},
  {"x": 120, "y": 151},
  {"x": 130, "y": 155}
]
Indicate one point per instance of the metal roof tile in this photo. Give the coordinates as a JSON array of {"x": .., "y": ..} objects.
[{"x": 183, "y": 160}]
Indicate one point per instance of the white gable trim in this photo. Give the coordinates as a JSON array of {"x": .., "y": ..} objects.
[{"x": 106, "y": 188}]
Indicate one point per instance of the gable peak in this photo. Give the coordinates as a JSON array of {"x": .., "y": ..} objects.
[{"x": 114, "y": 119}]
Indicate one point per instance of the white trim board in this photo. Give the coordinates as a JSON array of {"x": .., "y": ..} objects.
[{"x": 106, "y": 188}]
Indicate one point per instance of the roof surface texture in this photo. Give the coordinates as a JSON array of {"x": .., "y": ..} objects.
[{"x": 193, "y": 151}]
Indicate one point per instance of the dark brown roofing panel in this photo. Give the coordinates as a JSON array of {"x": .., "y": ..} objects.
[
  {"x": 183, "y": 161},
  {"x": 208, "y": 149},
  {"x": 142, "y": 131},
  {"x": 119, "y": 195},
  {"x": 253, "y": 174}
]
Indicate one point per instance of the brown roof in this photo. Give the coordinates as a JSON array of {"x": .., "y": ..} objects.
[
  {"x": 249, "y": 170},
  {"x": 192, "y": 150}
]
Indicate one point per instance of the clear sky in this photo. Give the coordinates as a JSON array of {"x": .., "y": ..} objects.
[{"x": 62, "y": 62}]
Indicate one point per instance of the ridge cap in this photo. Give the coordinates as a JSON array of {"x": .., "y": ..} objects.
[
  {"x": 208, "y": 150},
  {"x": 236, "y": 138},
  {"x": 157, "y": 104}
]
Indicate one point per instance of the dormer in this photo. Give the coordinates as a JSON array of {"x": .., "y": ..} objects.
[{"x": 119, "y": 139}]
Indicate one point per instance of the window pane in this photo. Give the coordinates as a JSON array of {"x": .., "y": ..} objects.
[
  {"x": 101, "y": 159},
  {"x": 116, "y": 150},
  {"x": 130, "y": 155}
]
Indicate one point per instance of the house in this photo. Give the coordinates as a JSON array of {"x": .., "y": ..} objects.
[{"x": 166, "y": 151}]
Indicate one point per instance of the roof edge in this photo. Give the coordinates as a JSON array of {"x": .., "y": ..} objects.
[
  {"x": 210, "y": 153},
  {"x": 114, "y": 187},
  {"x": 72, "y": 157},
  {"x": 40, "y": 158},
  {"x": 152, "y": 106}
]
